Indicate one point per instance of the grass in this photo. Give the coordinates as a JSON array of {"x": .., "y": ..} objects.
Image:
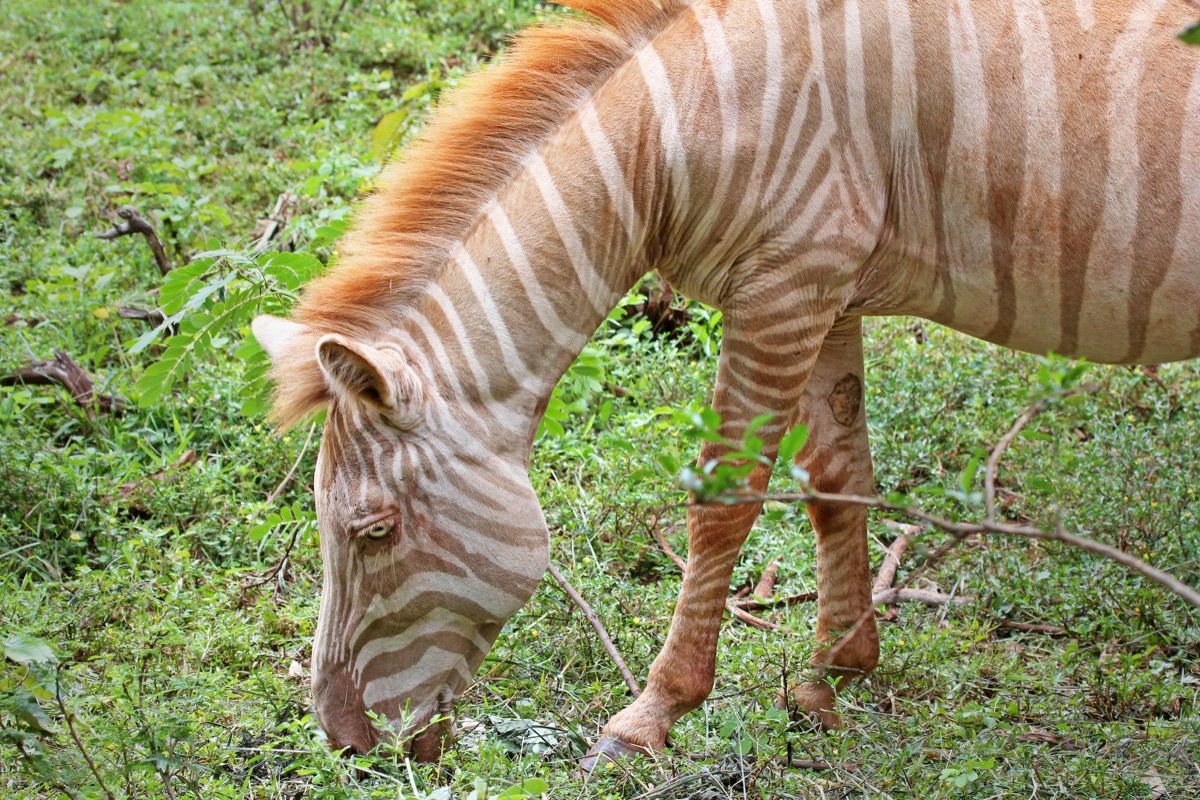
[{"x": 180, "y": 680}]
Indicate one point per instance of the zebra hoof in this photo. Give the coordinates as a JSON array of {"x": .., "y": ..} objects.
[{"x": 608, "y": 748}]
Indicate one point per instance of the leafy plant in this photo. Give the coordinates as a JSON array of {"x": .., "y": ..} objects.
[{"x": 203, "y": 302}]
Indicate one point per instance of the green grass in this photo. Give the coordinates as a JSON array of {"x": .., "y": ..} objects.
[{"x": 180, "y": 680}]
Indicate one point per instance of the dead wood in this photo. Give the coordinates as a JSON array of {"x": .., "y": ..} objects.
[
  {"x": 134, "y": 494},
  {"x": 766, "y": 583},
  {"x": 151, "y": 317},
  {"x": 1032, "y": 627},
  {"x": 274, "y": 223},
  {"x": 135, "y": 223},
  {"x": 63, "y": 371},
  {"x": 598, "y": 626}
]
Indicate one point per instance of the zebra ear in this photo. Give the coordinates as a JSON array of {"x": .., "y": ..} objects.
[
  {"x": 380, "y": 378},
  {"x": 276, "y": 334}
]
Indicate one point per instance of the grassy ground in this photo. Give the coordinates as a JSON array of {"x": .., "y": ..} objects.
[{"x": 176, "y": 679}]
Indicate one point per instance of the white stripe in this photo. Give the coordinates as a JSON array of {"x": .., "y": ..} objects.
[
  {"x": 610, "y": 171},
  {"x": 856, "y": 102},
  {"x": 434, "y": 661},
  {"x": 655, "y": 75},
  {"x": 1086, "y": 14},
  {"x": 1104, "y": 317},
  {"x": 567, "y": 337},
  {"x": 968, "y": 237},
  {"x": 720, "y": 62},
  {"x": 598, "y": 295},
  {"x": 438, "y": 619},
  {"x": 482, "y": 380},
  {"x": 513, "y": 360}
]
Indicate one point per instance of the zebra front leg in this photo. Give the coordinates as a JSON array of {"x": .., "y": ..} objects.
[
  {"x": 837, "y": 458},
  {"x": 762, "y": 370}
]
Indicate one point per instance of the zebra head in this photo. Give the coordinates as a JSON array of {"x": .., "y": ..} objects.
[{"x": 431, "y": 538}]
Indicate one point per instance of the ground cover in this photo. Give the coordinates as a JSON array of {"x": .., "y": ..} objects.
[{"x": 128, "y": 542}]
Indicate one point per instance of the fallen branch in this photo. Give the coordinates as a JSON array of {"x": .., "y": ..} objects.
[
  {"x": 291, "y": 473},
  {"x": 962, "y": 530},
  {"x": 766, "y": 582},
  {"x": 754, "y": 604},
  {"x": 135, "y": 223},
  {"x": 267, "y": 229},
  {"x": 1032, "y": 627},
  {"x": 597, "y": 626},
  {"x": 151, "y": 317},
  {"x": 63, "y": 371},
  {"x": 733, "y": 605},
  {"x": 889, "y": 597},
  {"x": 891, "y": 561},
  {"x": 992, "y": 470}
]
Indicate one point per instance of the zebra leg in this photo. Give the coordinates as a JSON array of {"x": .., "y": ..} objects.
[
  {"x": 762, "y": 370},
  {"x": 838, "y": 459}
]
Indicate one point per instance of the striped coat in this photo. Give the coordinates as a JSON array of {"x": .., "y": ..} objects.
[{"x": 1025, "y": 171}]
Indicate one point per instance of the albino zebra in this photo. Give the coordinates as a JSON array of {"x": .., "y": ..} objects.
[{"x": 1025, "y": 171}]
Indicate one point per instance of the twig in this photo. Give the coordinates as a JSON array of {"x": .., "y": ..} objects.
[
  {"x": 891, "y": 561},
  {"x": 820, "y": 765},
  {"x": 961, "y": 530},
  {"x": 887, "y": 570},
  {"x": 151, "y": 317},
  {"x": 63, "y": 371},
  {"x": 136, "y": 223},
  {"x": 279, "y": 569},
  {"x": 766, "y": 583},
  {"x": 736, "y": 608},
  {"x": 1032, "y": 627},
  {"x": 597, "y": 626},
  {"x": 742, "y": 615},
  {"x": 68, "y": 718},
  {"x": 993, "y": 463},
  {"x": 291, "y": 473},
  {"x": 267, "y": 229},
  {"x": 889, "y": 597},
  {"x": 754, "y": 604}
]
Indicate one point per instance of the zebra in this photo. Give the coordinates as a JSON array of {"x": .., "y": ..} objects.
[{"x": 1023, "y": 171}]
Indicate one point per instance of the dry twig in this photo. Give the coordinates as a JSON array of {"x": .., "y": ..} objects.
[
  {"x": 962, "y": 530},
  {"x": 69, "y": 718},
  {"x": 136, "y": 223},
  {"x": 270, "y": 227},
  {"x": 597, "y": 626},
  {"x": 1032, "y": 627},
  {"x": 735, "y": 607},
  {"x": 766, "y": 583},
  {"x": 291, "y": 473},
  {"x": 62, "y": 370}
]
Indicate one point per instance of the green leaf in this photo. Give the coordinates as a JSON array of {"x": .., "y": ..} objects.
[
  {"x": 385, "y": 132},
  {"x": 792, "y": 442},
  {"x": 26, "y": 650},
  {"x": 1191, "y": 34}
]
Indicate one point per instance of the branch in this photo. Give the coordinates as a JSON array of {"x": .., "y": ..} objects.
[
  {"x": 598, "y": 626},
  {"x": 136, "y": 223},
  {"x": 734, "y": 606},
  {"x": 961, "y": 530},
  {"x": 62, "y": 371},
  {"x": 891, "y": 562},
  {"x": 291, "y": 473},
  {"x": 993, "y": 462},
  {"x": 766, "y": 583},
  {"x": 69, "y": 719}
]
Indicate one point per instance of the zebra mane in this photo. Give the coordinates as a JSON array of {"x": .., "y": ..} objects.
[{"x": 424, "y": 202}]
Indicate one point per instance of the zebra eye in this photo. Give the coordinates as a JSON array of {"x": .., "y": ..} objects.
[{"x": 378, "y": 530}]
